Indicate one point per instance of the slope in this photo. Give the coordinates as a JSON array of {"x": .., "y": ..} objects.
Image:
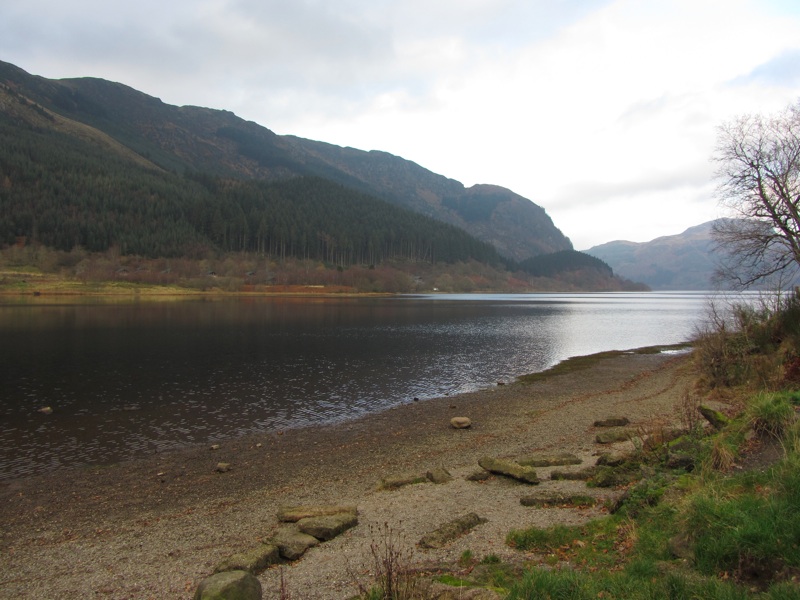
[{"x": 193, "y": 139}]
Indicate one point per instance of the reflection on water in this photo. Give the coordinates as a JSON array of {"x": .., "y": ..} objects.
[{"x": 126, "y": 379}]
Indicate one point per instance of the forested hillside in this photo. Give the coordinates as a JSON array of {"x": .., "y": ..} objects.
[
  {"x": 187, "y": 139},
  {"x": 63, "y": 192}
]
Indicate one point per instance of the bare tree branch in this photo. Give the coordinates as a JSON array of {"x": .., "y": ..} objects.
[{"x": 758, "y": 179}]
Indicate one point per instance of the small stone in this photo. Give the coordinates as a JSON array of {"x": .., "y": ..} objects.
[
  {"x": 215, "y": 447},
  {"x": 439, "y": 475},
  {"x": 46, "y": 410},
  {"x": 460, "y": 422},
  {"x": 223, "y": 467},
  {"x": 481, "y": 475},
  {"x": 717, "y": 418}
]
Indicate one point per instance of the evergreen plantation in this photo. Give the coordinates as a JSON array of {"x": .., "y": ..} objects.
[{"x": 62, "y": 192}]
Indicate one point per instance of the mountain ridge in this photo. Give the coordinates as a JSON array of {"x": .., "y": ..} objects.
[
  {"x": 192, "y": 138},
  {"x": 683, "y": 261}
]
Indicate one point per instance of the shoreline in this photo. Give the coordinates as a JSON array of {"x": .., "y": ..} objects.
[
  {"x": 156, "y": 526},
  {"x": 570, "y": 365}
]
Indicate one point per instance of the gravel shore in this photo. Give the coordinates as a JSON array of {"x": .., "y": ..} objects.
[{"x": 155, "y": 527}]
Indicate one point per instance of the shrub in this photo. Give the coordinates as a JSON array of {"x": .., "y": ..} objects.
[{"x": 772, "y": 413}]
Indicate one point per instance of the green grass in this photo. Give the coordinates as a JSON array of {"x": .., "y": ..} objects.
[
  {"x": 749, "y": 522},
  {"x": 773, "y": 413},
  {"x": 575, "y": 585}
]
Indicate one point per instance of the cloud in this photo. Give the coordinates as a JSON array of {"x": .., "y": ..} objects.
[
  {"x": 591, "y": 108},
  {"x": 780, "y": 71},
  {"x": 692, "y": 177}
]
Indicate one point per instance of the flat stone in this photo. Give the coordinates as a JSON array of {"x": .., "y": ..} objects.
[
  {"x": 581, "y": 475},
  {"x": 255, "y": 560},
  {"x": 460, "y": 422},
  {"x": 397, "y": 481},
  {"x": 451, "y": 530},
  {"x": 612, "y": 422},
  {"x": 292, "y": 514},
  {"x": 557, "y": 499},
  {"x": 293, "y": 543},
  {"x": 613, "y": 436},
  {"x": 549, "y": 459},
  {"x": 230, "y": 585},
  {"x": 509, "y": 468},
  {"x": 327, "y": 527}
]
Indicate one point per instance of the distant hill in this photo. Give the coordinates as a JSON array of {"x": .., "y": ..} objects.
[
  {"x": 141, "y": 132},
  {"x": 676, "y": 262}
]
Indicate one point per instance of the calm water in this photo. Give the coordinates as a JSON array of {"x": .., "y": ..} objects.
[{"x": 135, "y": 378}]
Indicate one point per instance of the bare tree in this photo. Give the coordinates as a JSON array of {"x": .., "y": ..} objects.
[{"x": 759, "y": 181}]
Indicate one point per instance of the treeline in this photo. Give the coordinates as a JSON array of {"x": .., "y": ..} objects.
[
  {"x": 62, "y": 192},
  {"x": 550, "y": 265}
]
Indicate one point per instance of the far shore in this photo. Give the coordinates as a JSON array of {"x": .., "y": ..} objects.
[{"x": 156, "y": 526}]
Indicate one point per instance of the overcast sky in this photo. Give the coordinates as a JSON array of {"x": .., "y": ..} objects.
[{"x": 604, "y": 112}]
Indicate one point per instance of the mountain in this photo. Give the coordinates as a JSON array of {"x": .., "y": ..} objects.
[
  {"x": 675, "y": 262},
  {"x": 141, "y": 129}
]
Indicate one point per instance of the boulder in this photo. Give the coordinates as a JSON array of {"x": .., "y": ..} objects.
[
  {"x": 549, "y": 459},
  {"x": 451, "y": 530},
  {"x": 509, "y": 468},
  {"x": 327, "y": 527},
  {"x": 460, "y": 422},
  {"x": 255, "y": 560},
  {"x": 292, "y": 514},
  {"x": 292, "y": 543},
  {"x": 439, "y": 475},
  {"x": 230, "y": 585},
  {"x": 612, "y": 422}
]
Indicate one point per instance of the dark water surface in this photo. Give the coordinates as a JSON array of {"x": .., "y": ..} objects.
[{"x": 127, "y": 379}]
